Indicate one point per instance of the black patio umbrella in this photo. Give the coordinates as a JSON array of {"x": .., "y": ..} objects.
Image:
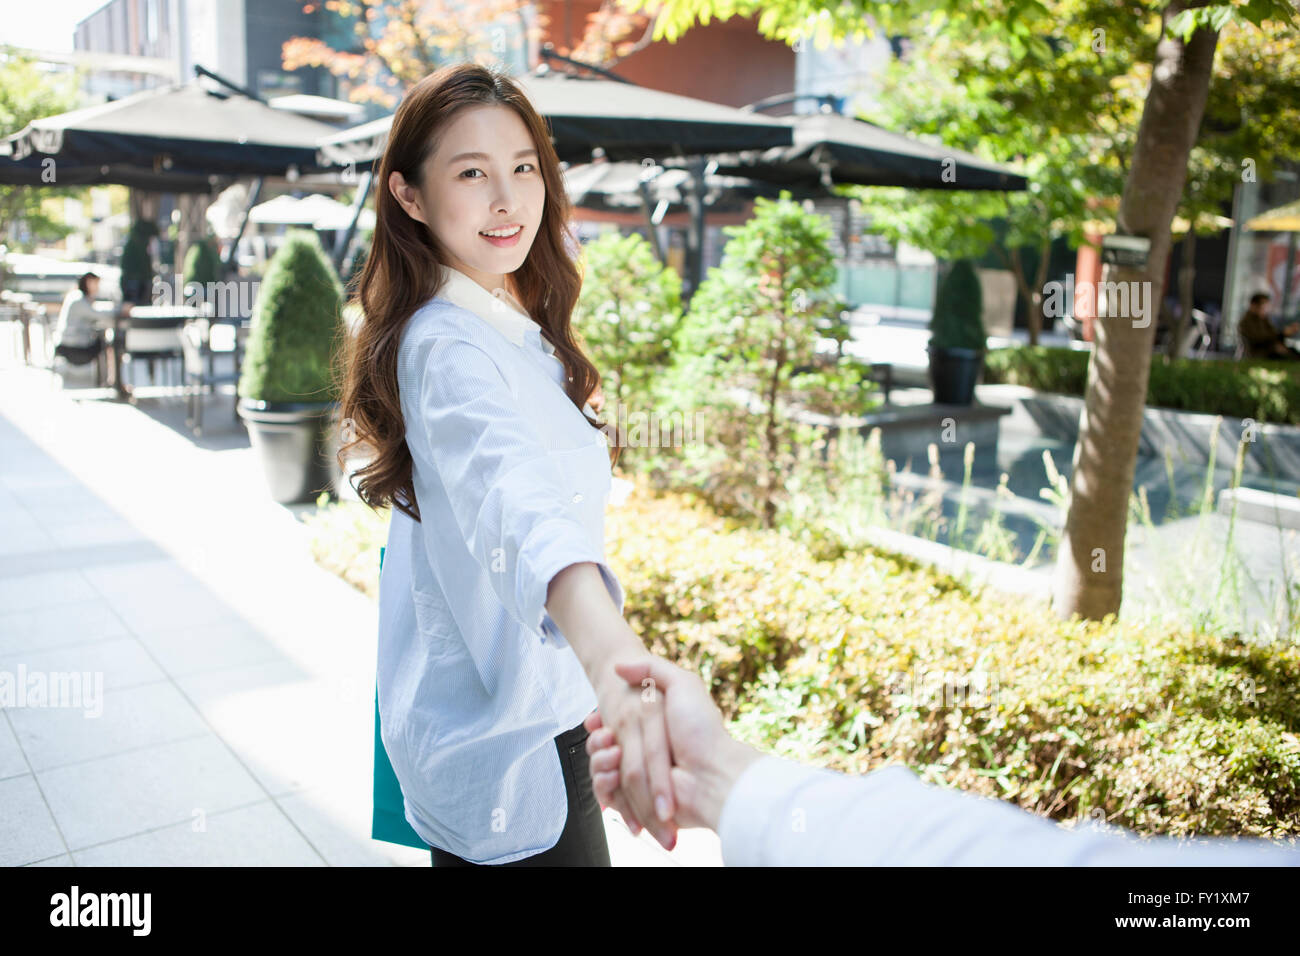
[
  {"x": 628, "y": 122},
  {"x": 830, "y": 149},
  {"x": 170, "y": 132},
  {"x": 618, "y": 186},
  {"x": 624, "y": 121},
  {"x": 39, "y": 170}
]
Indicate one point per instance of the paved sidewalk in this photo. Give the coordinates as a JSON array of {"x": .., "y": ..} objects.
[{"x": 236, "y": 716}]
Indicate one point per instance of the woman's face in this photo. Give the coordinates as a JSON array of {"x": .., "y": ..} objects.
[
  {"x": 483, "y": 176},
  {"x": 92, "y": 287}
]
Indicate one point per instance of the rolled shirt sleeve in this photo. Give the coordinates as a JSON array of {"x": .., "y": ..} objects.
[{"x": 509, "y": 496}]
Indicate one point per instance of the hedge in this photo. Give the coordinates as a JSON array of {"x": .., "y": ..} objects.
[
  {"x": 1266, "y": 391},
  {"x": 862, "y": 659},
  {"x": 866, "y": 658}
]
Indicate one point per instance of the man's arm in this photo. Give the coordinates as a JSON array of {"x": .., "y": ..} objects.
[{"x": 781, "y": 813}]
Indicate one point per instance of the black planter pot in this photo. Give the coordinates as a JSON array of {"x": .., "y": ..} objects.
[
  {"x": 953, "y": 374},
  {"x": 297, "y": 442}
]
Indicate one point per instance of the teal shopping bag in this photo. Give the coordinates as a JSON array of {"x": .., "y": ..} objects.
[{"x": 388, "y": 818}]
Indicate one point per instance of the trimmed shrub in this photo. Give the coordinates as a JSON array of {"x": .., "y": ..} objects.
[
  {"x": 1265, "y": 390},
  {"x": 627, "y": 314},
  {"x": 866, "y": 659},
  {"x": 297, "y": 325},
  {"x": 958, "y": 319},
  {"x": 202, "y": 264},
  {"x": 137, "y": 266}
]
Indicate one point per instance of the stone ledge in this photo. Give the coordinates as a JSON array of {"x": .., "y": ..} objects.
[
  {"x": 1274, "y": 450},
  {"x": 1265, "y": 507},
  {"x": 907, "y": 431}
]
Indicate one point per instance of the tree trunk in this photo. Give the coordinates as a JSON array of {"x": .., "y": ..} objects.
[
  {"x": 1040, "y": 282},
  {"x": 1090, "y": 565},
  {"x": 1033, "y": 301},
  {"x": 770, "y": 433},
  {"x": 1186, "y": 283}
]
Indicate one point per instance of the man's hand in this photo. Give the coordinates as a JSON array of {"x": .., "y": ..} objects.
[{"x": 706, "y": 759}]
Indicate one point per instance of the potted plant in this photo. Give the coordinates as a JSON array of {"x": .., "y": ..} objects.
[
  {"x": 202, "y": 263},
  {"x": 137, "y": 264},
  {"x": 957, "y": 336},
  {"x": 288, "y": 397}
]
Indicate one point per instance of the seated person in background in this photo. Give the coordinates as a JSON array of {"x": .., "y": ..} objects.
[
  {"x": 79, "y": 334},
  {"x": 1259, "y": 336}
]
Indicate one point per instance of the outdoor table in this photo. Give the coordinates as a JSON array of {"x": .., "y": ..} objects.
[
  {"x": 148, "y": 317},
  {"x": 237, "y": 324}
]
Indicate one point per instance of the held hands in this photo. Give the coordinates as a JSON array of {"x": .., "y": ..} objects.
[
  {"x": 644, "y": 798},
  {"x": 705, "y": 759}
]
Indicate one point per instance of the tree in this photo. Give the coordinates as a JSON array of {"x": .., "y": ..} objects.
[
  {"x": 1089, "y": 574},
  {"x": 1252, "y": 120},
  {"x": 746, "y": 354},
  {"x": 26, "y": 93},
  {"x": 628, "y": 312},
  {"x": 978, "y": 97},
  {"x": 1090, "y": 563},
  {"x": 975, "y": 96},
  {"x": 399, "y": 42}
]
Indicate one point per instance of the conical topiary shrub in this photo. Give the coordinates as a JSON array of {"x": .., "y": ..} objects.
[
  {"x": 296, "y": 325},
  {"x": 136, "y": 264},
  {"x": 958, "y": 320},
  {"x": 957, "y": 336},
  {"x": 202, "y": 264}
]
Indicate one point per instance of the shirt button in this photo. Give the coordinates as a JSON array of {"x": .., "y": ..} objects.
[{"x": 577, "y": 498}]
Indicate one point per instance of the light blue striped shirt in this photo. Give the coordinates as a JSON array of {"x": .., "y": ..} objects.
[{"x": 475, "y": 680}]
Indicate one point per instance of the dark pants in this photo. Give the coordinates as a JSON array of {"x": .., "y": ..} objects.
[
  {"x": 80, "y": 354},
  {"x": 582, "y": 843}
]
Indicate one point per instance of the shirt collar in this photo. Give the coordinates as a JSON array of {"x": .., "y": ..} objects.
[{"x": 499, "y": 311}]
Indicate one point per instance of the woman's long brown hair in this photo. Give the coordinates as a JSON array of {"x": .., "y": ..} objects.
[{"x": 401, "y": 274}]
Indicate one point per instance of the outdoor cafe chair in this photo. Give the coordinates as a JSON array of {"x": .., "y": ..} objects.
[
  {"x": 152, "y": 345},
  {"x": 200, "y": 375},
  {"x": 1197, "y": 336}
]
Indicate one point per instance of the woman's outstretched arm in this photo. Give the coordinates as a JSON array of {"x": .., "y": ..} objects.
[{"x": 580, "y": 605}]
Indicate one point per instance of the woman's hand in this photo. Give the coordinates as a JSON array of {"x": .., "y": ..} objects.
[
  {"x": 707, "y": 761},
  {"x": 637, "y": 717}
]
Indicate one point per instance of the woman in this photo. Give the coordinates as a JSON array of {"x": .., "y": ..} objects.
[
  {"x": 500, "y": 621},
  {"x": 79, "y": 332}
]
